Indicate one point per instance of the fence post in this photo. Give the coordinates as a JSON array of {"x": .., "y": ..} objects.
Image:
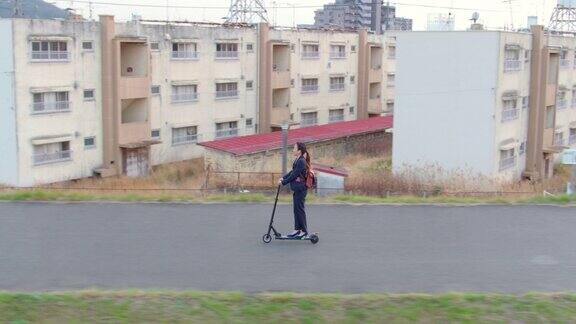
[
  {"x": 238, "y": 182},
  {"x": 284, "y": 148}
]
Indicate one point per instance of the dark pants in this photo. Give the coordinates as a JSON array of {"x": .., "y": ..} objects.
[{"x": 299, "y": 196}]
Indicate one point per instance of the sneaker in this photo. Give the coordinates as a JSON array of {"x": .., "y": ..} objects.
[
  {"x": 302, "y": 235},
  {"x": 293, "y": 234}
]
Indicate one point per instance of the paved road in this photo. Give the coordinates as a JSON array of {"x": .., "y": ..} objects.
[{"x": 217, "y": 247}]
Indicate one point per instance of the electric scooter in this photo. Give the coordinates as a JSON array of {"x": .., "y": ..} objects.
[{"x": 267, "y": 238}]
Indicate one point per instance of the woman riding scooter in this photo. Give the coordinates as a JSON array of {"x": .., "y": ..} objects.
[{"x": 297, "y": 180}]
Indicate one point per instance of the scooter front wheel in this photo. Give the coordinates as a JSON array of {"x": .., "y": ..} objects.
[
  {"x": 314, "y": 238},
  {"x": 267, "y": 238}
]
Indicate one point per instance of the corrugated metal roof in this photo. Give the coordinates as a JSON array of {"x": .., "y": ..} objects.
[{"x": 270, "y": 141}]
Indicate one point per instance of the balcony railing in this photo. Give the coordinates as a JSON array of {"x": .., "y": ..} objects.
[
  {"x": 51, "y": 107},
  {"x": 337, "y": 55},
  {"x": 336, "y": 118},
  {"x": 46, "y": 158},
  {"x": 50, "y": 56},
  {"x": 507, "y": 163},
  {"x": 310, "y": 55},
  {"x": 561, "y": 104},
  {"x": 310, "y": 88},
  {"x": 308, "y": 121},
  {"x": 227, "y": 94},
  {"x": 185, "y": 139},
  {"x": 337, "y": 86},
  {"x": 512, "y": 65},
  {"x": 565, "y": 63},
  {"x": 227, "y": 133},
  {"x": 227, "y": 55},
  {"x": 184, "y": 97},
  {"x": 572, "y": 139},
  {"x": 509, "y": 114},
  {"x": 185, "y": 55}
]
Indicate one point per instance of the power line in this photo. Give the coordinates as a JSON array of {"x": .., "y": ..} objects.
[{"x": 277, "y": 7}]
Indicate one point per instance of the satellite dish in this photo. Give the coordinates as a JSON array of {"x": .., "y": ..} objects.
[{"x": 475, "y": 17}]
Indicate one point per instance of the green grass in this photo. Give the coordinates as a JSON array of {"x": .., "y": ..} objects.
[
  {"x": 61, "y": 195},
  {"x": 233, "y": 307}
]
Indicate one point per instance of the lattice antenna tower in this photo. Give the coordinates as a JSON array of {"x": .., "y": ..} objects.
[
  {"x": 563, "y": 19},
  {"x": 247, "y": 11}
]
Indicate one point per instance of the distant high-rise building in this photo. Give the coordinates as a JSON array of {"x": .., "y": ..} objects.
[{"x": 355, "y": 14}]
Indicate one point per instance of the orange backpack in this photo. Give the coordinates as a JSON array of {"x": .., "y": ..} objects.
[{"x": 310, "y": 177}]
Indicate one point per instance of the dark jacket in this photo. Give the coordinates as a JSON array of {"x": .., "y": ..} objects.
[{"x": 296, "y": 177}]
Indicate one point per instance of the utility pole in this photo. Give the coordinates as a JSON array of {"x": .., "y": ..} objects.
[{"x": 284, "y": 148}]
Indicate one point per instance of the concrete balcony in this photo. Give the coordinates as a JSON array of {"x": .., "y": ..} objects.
[
  {"x": 280, "y": 79},
  {"x": 375, "y": 74},
  {"x": 279, "y": 116},
  {"x": 134, "y": 134},
  {"x": 134, "y": 87},
  {"x": 374, "y": 106}
]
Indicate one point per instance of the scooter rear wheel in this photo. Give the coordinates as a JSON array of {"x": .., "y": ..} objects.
[
  {"x": 314, "y": 238},
  {"x": 267, "y": 238}
]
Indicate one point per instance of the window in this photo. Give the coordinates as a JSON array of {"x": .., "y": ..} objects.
[
  {"x": 184, "y": 93},
  {"x": 351, "y": 110},
  {"x": 507, "y": 159},
  {"x": 249, "y": 123},
  {"x": 559, "y": 138},
  {"x": 154, "y": 46},
  {"x": 50, "y": 102},
  {"x": 574, "y": 98},
  {"x": 564, "y": 61},
  {"x": 226, "y": 90},
  {"x": 310, "y": 51},
  {"x": 550, "y": 115},
  {"x": 353, "y": 48},
  {"x": 184, "y": 135},
  {"x": 249, "y": 47},
  {"x": 52, "y": 153},
  {"x": 337, "y": 83},
  {"x": 89, "y": 142},
  {"x": 249, "y": 85},
  {"x": 308, "y": 119},
  {"x": 155, "y": 89},
  {"x": 352, "y": 79},
  {"x": 391, "y": 80},
  {"x": 391, "y": 52},
  {"x": 509, "y": 110},
  {"x": 87, "y": 46},
  {"x": 522, "y": 149},
  {"x": 390, "y": 106},
  {"x": 310, "y": 85},
  {"x": 511, "y": 60},
  {"x": 228, "y": 129},
  {"x": 155, "y": 134},
  {"x": 336, "y": 115},
  {"x": 561, "y": 100},
  {"x": 226, "y": 51},
  {"x": 185, "y": 51},
  {"x": 525, "y": 102},
  {"x": 292, "y": 48},
  {"x": 88, "y": 94},
  {"x": 50, "y": 51},
  {"x": 527, "y": 54},
  {"x": 572, "y": 138},
  {"x": 337, "y": 51}
]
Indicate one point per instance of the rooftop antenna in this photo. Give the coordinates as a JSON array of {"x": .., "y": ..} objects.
[
  {"x": 247, "y": 11},
  {"x": 563, "y": 17},
  {"x": 91, "y": 10},
  {"x": 16, "y": 9},
  {"x": 509, "y": 2},
  {"x": 475, "y": 17}
]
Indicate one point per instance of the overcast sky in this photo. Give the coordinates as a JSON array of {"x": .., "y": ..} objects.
[{"x": 493, "y": 13}]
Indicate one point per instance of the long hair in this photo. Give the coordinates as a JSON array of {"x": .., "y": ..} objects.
[{"x": 302, "y": 148}]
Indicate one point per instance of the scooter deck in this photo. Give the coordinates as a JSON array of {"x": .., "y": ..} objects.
[{"x": 308, "y": 237}]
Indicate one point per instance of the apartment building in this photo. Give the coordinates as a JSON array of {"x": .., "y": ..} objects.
[
  {"x": 486, "y": 102},
  {"x": 81, "y": 98}
]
